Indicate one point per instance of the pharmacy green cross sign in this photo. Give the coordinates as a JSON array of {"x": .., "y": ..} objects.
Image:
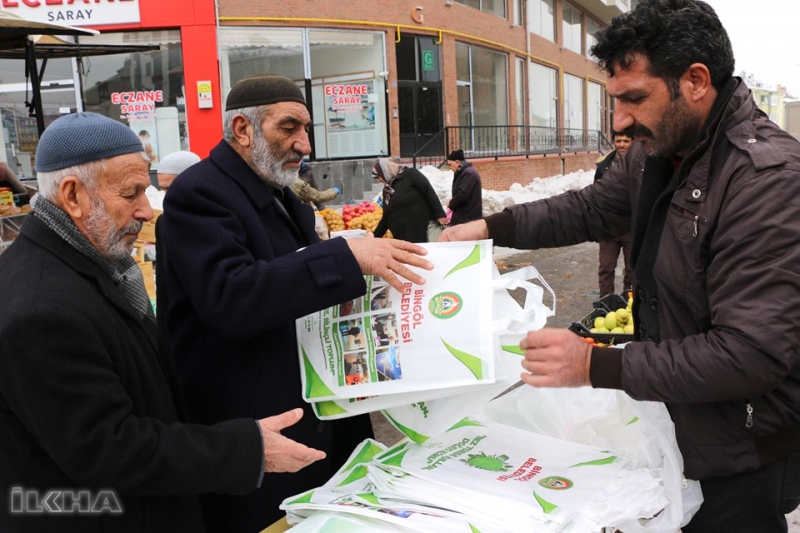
[{"x": 427, "y": 60}]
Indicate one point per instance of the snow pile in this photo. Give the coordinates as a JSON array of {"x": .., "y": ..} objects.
[{"x": 496, "y": 201}]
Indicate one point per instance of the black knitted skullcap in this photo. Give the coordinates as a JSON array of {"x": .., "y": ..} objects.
[
  {"x": 456, "y": 155},
  {"x": 263, "y": 90}
]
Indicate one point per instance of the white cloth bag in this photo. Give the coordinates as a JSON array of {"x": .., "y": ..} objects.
[{"x": 429, "y": 337}]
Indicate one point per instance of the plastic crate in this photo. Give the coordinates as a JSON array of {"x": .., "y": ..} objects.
[
  {"x": 583, "y": 328},
  {"x": 611, "y": 302}
]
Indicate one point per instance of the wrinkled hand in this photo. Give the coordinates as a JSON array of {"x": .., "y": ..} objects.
[
  {"x": 471, "y": 231},
  {"x": 282, "y": 454},
  {"x": 387, "y": 258},
  {"x": 556, "y": 358}
]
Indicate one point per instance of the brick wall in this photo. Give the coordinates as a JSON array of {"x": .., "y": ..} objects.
[
  {"x": 500, "y": 175},
  {"x": 472, "y": 26}
]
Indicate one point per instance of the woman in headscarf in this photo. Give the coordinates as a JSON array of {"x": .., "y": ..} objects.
[{"x": 409, "y": 202}]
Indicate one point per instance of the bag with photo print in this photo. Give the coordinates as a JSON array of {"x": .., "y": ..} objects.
[
  {"x": 429, "y": 337},
  {"x": 435, "y": 230}
]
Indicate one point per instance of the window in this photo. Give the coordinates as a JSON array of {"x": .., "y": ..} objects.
[
  {"x": 248, "y": 52},
  {"x": 496, "y": 7},
  {"x": 773, "y": 100},
  {"x": 591, "y": 28},
  {"x": 595, "y": 114},
  {"x": 573, "y": 102},
  {"x": 482, "y": 96},
  {"x": 156, "y": 76},
  {"x": 542, "y": 17},
  {"x": 572, "y": 28},
  {"x": 519, "y": 14},
  {"x": 520, "y": 93},
  {"x": 543, "y": 95},
  {"x": 764, "y": 99},
  {"x": 345, "y": 72},
  {"x": 19, "y": 131}
]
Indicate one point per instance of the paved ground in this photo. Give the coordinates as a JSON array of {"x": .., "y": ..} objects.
[{"x": 572, "y": 274}]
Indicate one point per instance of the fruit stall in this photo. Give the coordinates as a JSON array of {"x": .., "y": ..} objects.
[{"x": 363, "y": 216}]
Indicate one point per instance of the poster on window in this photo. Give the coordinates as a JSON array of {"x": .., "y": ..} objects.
[
  {"x": 432, "y": 336},
  {"x": 350, "y": 106}
]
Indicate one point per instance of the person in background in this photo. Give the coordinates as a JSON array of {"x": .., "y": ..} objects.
[
  {"x": 242, "y": 263},
  {"x": 87, "y": 402},
  {"x": 466, "y": 203},
  {"x": 711, "y": 189},
  {"x": 8, "y": 178},
  {"x": 409, "y": 202},
  {"x": 610, "y": 248},
  {"x": 305, "y": 188},
  {"x": 149, "y": 151},
  {"x": 172, "y": 165}
]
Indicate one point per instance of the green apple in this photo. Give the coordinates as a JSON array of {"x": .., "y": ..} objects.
[{"x": 611, "y": 320}]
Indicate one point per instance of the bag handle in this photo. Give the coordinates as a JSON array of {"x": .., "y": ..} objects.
[{"x": 533, "y": 313}]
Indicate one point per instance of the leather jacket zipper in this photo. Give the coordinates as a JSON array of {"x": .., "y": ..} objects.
[
  {"x": 696, "y": 218},
  {"x": 749, "y": 422}
]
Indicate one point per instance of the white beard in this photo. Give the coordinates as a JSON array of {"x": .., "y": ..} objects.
[
  {"x": 103, "y": 233},
  {"x": 269, "y": 165}
]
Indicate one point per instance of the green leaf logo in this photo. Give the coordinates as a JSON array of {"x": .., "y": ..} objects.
[
  {"x": 358, "y": 472},
  {"x": 305, "y": 498},
  {"x": 473, "y": 259},
  {"x": 465, "y": 422},
  {"x": 599, "y": 462},
  {"x": 328, "y": 408},
  {"x": 513, "y": 348},
  {"x": 547, "y": 507},
  {"x": 315, "y": 387},
  {"x": 419, "y": 438},
  {"x": 473, "y": 363},
  {"x": 365, "y": 455}
]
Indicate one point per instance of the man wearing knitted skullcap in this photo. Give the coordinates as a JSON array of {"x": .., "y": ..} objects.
[
  {"x": 172, "y": 165},
  {"x": 237, "y": 279},
  {"x": 466, "y": 201},
  {"x": 88, "y": 402}
]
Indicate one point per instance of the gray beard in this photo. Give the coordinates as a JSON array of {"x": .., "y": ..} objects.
[
  {"x": 268, "y": 165},
  {"x": 103, "y": 233}
]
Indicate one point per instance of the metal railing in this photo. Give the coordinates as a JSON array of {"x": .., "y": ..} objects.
[{"x": 507, "y": 141}]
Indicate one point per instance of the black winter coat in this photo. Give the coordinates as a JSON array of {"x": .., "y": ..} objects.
[
  {"x": 87, "y": 402},
  {"x": 728, "y": 289},
  {"x": 413, "y": 204},
  {"x": 467, "y": 203},
  {"x": 236, "y": 282}
]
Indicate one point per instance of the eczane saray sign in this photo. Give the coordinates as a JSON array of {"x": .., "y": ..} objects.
[{"x": 75, "y": 12}]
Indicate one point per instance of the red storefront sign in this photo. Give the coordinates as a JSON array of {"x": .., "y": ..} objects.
[
  {"x": 75, "y": 12},
  {"x": 137, "y": 101},
  {"x": 346, "y": 95}
]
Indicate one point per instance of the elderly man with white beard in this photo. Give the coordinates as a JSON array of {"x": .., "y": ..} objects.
[
  {"x": 242, "y": 262},
  {"x": 92, "y": 432}
]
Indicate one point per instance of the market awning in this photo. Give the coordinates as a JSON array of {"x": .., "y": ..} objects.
[
  {"x": 14, "y": 26},
  {"x": 14, "y": 35},
  {"x": 51, "y": 47}
]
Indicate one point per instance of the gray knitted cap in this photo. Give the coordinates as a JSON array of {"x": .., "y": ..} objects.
[
  {"x": 263, "y": 90},
  {"x": 82, "y": 138}
]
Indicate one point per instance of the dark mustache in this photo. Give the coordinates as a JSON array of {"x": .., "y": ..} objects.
[{"x": 642, "y": 131}]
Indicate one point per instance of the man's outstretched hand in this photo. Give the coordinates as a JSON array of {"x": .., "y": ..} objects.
[
  {"x": 282, "y": 454},
  {"x": 471, "y": 231},
  {"x": 387, "y": 258}
]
